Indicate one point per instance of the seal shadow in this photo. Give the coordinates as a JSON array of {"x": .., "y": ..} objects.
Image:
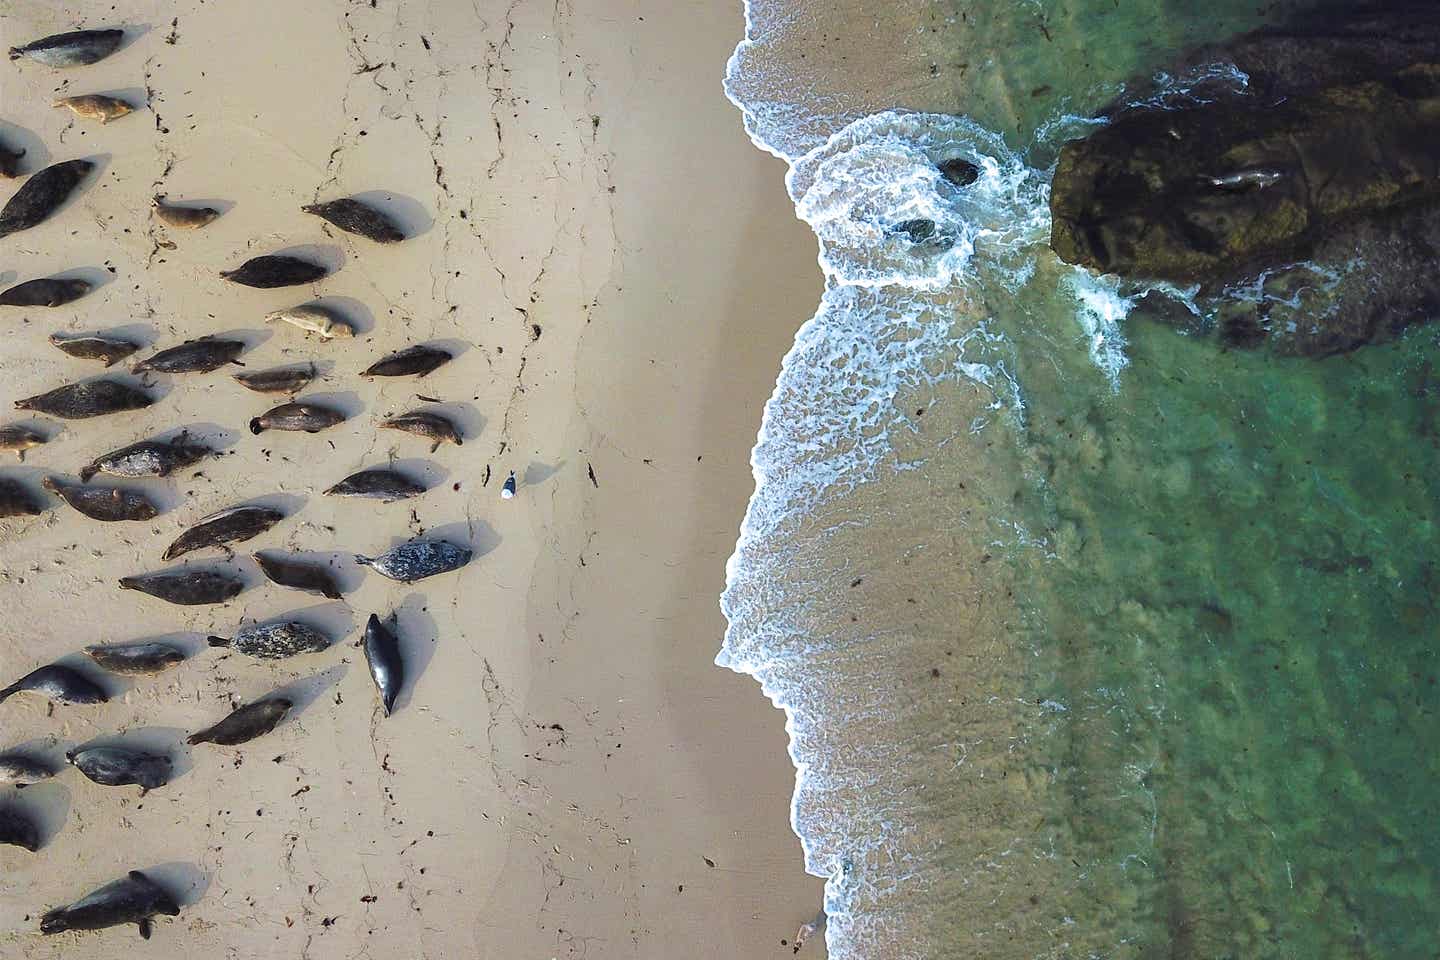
[
  {"x": 451, "y": 345},
  {"x": 37, "y": 155},
  {"x": 418, "y": 635},
  {"x": 347, "y": 576},
  {"x": 142, "y": 335},
  {"x": 347, "y": 402},
  {"x": 165, "y": 741},
  {"x": 97, "y": 277},
  {"x": 8, "y": 277},
  {"x": 306, "y": 690},
  {"x": 333, "y": 618},
  {"x": 537, "y": 473},
  {"x": 185, "y": 882},
  {"x": 427, "y": 473},
  {"x": 331, "y": 257},
  {"x": 49, "y": 429},
  {"x": 469, "y": 422},
  {"x": 218, "y": 437},
  {"x": 289, "y": 504},
  {"x": 479, "y": 536},
  {"x": 252, "y": 337},
  {"x": 408, "y": 213},
  {"x": 47, "y": 805},
  {"x": 130, "y": 33},
  {"x": 360, "y": 317}
]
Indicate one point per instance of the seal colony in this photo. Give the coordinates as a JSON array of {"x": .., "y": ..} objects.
[{"x": 137, "y": 898}]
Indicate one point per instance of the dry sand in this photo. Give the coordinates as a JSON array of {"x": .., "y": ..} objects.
[{"x": 617, "y": 268}]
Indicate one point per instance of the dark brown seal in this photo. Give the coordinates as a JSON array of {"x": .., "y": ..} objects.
[
  {"x": 276, "y": 270},
  {"x": 244, "y": 723},
  {"x": 232, "y": 525},
  {"x": 42, "y": 195},
  {"x": 352, "y": 216},
  {"x": 90, "y": 398}
]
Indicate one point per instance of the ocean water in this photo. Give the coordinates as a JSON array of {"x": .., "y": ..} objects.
[{"x": 1095, "y": 639}]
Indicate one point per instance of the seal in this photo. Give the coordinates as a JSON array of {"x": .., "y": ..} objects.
[
  {"x": 192, "y": 356},
  {"x": 186, "y": 588},
  {"x": 381, "y": 484},
  {"x": 418, "y": 360},
  {"x": 382, "y": 653},
  {"x": 121, "y": 767},
  {"x": 16, "y": 501},
  {"x": 148, "y": 458},
  {"x": 42, "y": 195},
  {"x": 276, "y": 270},
  {"x": 90, "y": 398},
  {"x": 298, "y": 576},
  {"x": 244, "y": 723},
  {"x": 18, "y": 830},
  {"x": 143, "y": 658},
  {"x": 422, "y": 423},
  {"x": 134, "y": 898},
  {"x": 314, "y": 319},
  {"x": 231, "y": 525},
  {"x": 59, "y": 683},
  {"x": 417, "y": 560},
  {"x": 183, "y": 217},
  {"x": 10, "y": 162},
  {"x": 277, "y": 379},
  {"x": 302, "y": 417},
  {"x": 93, "y": 346},
  {"x": 355, "y": 217},
  {"x": 103, "y": 503},
  {"x": 78, "y": 48},
  {"x": 17, "y": 438},
  {"x": 95, "y": 106},
  {"x": 45, "y": 292},
  {"x": 275, "y": 640},
  {"x": 23, "y": 771}
]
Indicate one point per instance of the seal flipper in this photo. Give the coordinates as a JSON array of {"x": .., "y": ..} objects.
[
  {"x": 53, "y": 921},
  {"x": 256, "y": 427},
  {"x": 217, "y": 641},
  {"x": 9, "y": 692},
  {"x": 144, "y": 926}
]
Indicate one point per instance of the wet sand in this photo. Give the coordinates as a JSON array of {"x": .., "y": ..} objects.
[{"x": 616, "y": 268}]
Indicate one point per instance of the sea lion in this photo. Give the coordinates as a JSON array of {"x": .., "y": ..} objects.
[
  {"x": 192, "y": 356},
  {"x": 10, "y": 162},
  {"x": 422, "y": 423},
  {"x": 298, "y": 576},
  {"x": 275, "y": 640},
  {"x": 90, "y": 398},
  {"x": 417, "y": 560},
  {"x": 121, "y": 767},
  {"x": 45, "y": 292},
  {"x": 382, "y": 653},
  {"x": 95, "y": 106},
  {"x": 18, "y": 830},
  {"x": 23, "y": 771},
  {"x": 77, "y": 48},
  {"x": 186, "y": 588},
  {"x": 314, "y": 319},
  {"x": 59, "y": 683},
  {"x": 305, "y": 417},
  {"x": 277, "y": 379},
  {"x": 183, "y": 217},
  {"x": 134, "y": 898},
  {"x": 231, "y": 525},
  {"x": 418, "y": 360},
  {"x": 103, "y": 503},
  {"x": 94, "y": 346},
  {"x": 16, "y": 501},
  {"x": 244, "y": 723},
  {"x": 148, "y": 458},
  {"x": 142, "y": 658},
  {"x": 42, "y": 195},
  {"x": 276, "y": 270},
  {"x": 381, "y": 484},
  {"x": 17, "y": 438},
  {"x": 352, "y": 216}
]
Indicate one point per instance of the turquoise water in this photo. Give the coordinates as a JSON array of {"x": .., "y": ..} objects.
[{"x": 1096, "y": 639}]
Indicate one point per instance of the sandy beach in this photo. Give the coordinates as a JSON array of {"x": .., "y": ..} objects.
[{"x": 617, "y": 271}]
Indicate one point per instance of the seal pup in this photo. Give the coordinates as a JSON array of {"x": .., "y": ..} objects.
[
  {"x": 275, "y": 270},
  {"x": 121, "y": 767},
  {"x": 313, "y": 319},
  {"x": 134, "y": 898},
  {"x": 42, "y": 195},
  {"x": 192, "y": 356},
  {"x": 277, "y": 379},
  {"x": 18, "y": 830},
  {"x": 381, "y": 484},
  {"x": 300, "y": 417},
  {"x": 244, "y": 723},
  {"x": 89, "y": 398},
  {"x": 77, "y": 48},
  {"x": 148, "y": 458},
  {"x": 59, "y": 683},
  {"x": 275, "y": 640},
  {"x": 231, "y": 525},
  {"x": 418, "y": 360},
  {"x": 298, "y": 576},
  {"x": 142, "y": 658},
  {"x": 352, "y": 216},
  {"x": 45, "y": 292},
  {"x": 95, "y": 106},
  {"x": 16, "y": 501},
  {"x": 10, "y": 162},
  {"x": 93, "y": 346},
  {"x": 186, "y": 588},
  {"x": 382, "y": 653},
  {"x": 23, "y": 771},
  {"x": 17, "y": 438},
  {"x": 417, "y": 560},
  {"x": 183, "y": 217},
  {"x": 103, "y": 503},
  {"x": 422, "y": 423}
]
